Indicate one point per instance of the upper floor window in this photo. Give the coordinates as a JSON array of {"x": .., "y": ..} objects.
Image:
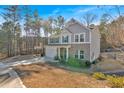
[
  {"x": 54, "y": 40},
  {"x": 81, "y": 37},
  {"x": 65, "y": 39},
  {"x": 76, "y": 38}
]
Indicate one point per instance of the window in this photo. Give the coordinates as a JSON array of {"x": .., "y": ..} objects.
[
  {"x": 76, "y": 54},
  {"x": 81, "y": 37},
  {"x": 81, "y": 54},
  {"x": 54, "y": 40},
  {"x": 76, "y": 38},
  {"x": 64, "y": 39}
]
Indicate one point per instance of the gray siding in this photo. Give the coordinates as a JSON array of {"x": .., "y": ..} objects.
[
  {"x": 91, "y": 50},
  {"x": 77, "y": 29},
  {"x": 84, "y": 47},
  {"x": 95, "y": 44}
]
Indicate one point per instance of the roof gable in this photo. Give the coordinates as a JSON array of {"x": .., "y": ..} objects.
[
  {"x": 74, "y": 26},
  {"x": 73, "y": 22}
]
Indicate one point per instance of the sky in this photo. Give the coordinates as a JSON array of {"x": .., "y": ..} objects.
[
  {"x": 73, "y": 11},
  {"x": 76, "y": 11}
]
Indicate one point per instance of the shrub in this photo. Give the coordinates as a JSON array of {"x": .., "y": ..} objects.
[
  {"x": 78, "y": 62},
  {"x": 84, "y": 63},
  {"x": 99, "y": 75},
  {"x": 56, "y": 58},
  {"x": 116, "y": 82},
  {"x": 87, "y": 63},
  {"x": 95, "y": 61},
  {"x": 73, "y": 62},
  {"x": 63, "y": 61}
]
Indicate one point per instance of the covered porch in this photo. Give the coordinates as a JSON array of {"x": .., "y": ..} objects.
[
  {"x": 60, "y": 51},
  {"x": 63, "y": 52}
]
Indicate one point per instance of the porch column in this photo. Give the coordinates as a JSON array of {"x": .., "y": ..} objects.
[{"x": 67, "y": 53}]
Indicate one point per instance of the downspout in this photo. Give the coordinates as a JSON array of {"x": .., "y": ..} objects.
[{"x": 90, "y": 47}]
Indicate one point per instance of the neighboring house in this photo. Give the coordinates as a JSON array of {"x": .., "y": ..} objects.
[{"x": 75, "y": 40}]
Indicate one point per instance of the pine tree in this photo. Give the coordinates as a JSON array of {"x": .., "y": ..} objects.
[{"x": 12, "y": 17}]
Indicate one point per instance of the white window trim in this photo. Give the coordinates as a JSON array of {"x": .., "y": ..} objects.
[
  {"x": 64, "y": 37},
  {"x": 74, "y": 38},
  {"x": 84, "y": 39},
  {"x": 79, "y": 55},
  {"x": 79, "y": 37},
  {"x": 52, "y": 43},
  {"x": 69, "y": 39}
]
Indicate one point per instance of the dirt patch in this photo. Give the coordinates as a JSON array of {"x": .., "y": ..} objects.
[{"x": 44, "y": 75}]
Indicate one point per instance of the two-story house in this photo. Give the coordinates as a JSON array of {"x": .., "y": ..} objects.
[{"x": 75, "y": 40}]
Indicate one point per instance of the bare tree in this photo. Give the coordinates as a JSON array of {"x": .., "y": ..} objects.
[
  {"x": 113, "y": 27},
  {"x": 89, "y": 18}
]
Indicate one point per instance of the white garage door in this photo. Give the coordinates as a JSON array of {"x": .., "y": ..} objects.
[{"x": 50, "y": 52}]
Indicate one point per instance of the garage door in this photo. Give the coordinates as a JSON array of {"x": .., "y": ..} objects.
[{"x": 50, "y": 52}]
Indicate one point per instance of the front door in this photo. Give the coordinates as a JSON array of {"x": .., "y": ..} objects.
[{"x": 63, "y": 53}]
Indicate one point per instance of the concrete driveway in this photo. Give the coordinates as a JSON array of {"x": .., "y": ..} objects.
[{"x": 8, "y": 77}]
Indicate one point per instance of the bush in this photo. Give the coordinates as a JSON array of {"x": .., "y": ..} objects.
[
  {"x": 116, "y": 82},
  {"x": 63, "y": 61},
  {"x": 87, "y": 63},
  {"x": 84, "y": 63},
  {"x": 56, "y": 58},
  {"x": 99, "y": 75},
  {"x": 78, "y": 62},
  {"x": 73, "y": 62},
  {"x": 95, "y": 61}
]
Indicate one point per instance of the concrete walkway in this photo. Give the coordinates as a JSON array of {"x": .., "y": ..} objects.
[{"x": 13, "y": 80}]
